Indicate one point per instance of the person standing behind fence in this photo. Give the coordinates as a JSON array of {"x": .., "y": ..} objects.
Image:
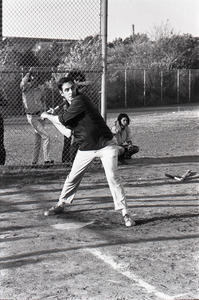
[
  {"x": 95, "y": 140},
  {"x": 32, "y": 93},
  {"x": 122, "y": 133}
]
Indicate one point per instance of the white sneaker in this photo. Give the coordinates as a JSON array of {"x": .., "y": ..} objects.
[
  {"x": 128, "y": 221},
  {"x": 55, "y": 210}
]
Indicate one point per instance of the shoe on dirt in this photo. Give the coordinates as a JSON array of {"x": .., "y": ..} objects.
[
  {"x": 49, "y": 162},
  {"x": 128, "y": 221},
  {"x": 54, "y": 210}
]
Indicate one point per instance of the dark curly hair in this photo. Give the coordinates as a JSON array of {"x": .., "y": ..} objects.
[
  {"x": 64, "y": 80},
  {"x": 121, "y": 116}
]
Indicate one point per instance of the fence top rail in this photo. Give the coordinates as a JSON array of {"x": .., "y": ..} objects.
[
  {"x": 46, "y": 69},
  {"x": 149, "y": 69},
  {"x": 27, "y": 38}
]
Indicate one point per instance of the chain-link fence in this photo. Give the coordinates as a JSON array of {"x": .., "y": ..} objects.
[
  {"x": 56, "y": 38},
  {"x": 129, "y": 88},
  {"x": 49, "y": 39}
]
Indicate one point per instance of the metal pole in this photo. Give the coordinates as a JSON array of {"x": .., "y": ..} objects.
[
  {"x": 144, "y": 92},
  {"x": 161, "y": 84},
  {"x": 104, "y": 17},
  {"x": 125, "y": 88},
  {"x": 22, "y": 75},
  {"x": 189, "y": 85},
  {"x": 1, "y": 38},
  {"x": 178, "y": 86}
]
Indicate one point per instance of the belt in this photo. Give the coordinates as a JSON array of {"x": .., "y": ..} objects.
[{"x": 34, "y": 114}]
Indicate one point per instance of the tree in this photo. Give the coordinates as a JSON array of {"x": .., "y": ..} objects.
[
  {"x": 160, "y": 31},
  {"x": 85, "y": 54},
  {"x": 177, "y": 52}
]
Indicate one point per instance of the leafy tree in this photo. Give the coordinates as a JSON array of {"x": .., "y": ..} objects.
[
  {"x": 161, "y": 31},
  {"x": 177, "y": 52},
  {"x": 84, "y": 54}
]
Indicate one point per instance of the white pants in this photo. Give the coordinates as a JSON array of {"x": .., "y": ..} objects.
[
  {"x": 40, "y": 135},
  {"x": 109, "y": 158}
]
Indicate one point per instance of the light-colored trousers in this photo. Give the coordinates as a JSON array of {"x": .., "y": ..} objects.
[
  {"x": 109, "y": 158},
  {"x": 41, "y": 135}
]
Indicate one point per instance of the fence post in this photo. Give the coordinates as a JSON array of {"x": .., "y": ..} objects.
[
  {"x": 144, "y": 92},
  {"x": 104, "y": 17},
  {"x": 125, "y": 87},
  {"x": 52, "y": 89},
  {"x": 161, "y": 87},
  {"x": 189, "y": 85},
  {"x": 178, "y": 86},
  {"x": 22, "y": 75}
]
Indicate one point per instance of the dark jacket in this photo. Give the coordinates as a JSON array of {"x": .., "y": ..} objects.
[{"x": 89, "y": 128}]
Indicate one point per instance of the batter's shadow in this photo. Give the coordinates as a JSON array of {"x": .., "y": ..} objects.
[
  {"x": 160, "y": 218},
  {"x": 161, "y": 160}
]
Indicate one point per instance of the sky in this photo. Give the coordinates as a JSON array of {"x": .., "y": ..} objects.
[
  {"x": 55, "y": 19},
  {"x": 182, "y": 16}
]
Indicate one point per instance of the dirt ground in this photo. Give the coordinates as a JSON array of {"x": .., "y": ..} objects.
[{"x": 87, "y": 253}]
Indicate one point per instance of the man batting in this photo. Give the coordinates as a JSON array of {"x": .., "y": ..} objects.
[{"x": 95, "y": 140}]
